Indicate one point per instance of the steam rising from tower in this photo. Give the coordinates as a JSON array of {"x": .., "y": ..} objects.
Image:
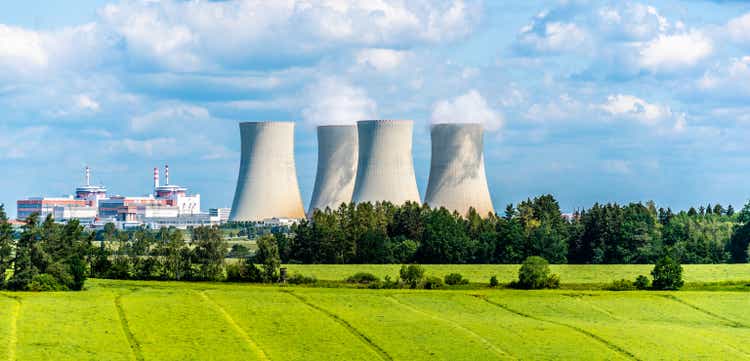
[
  {"x": 337, "y": 166},
  {"x": 457, "y": 179},
  {"x": 267, "y": 182},
  {"x": 385, "y": 169}
]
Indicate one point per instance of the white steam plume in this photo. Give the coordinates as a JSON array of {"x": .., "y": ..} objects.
[
  {"x": 467, "y": 108},
  {"x": 334, "y": 101}
]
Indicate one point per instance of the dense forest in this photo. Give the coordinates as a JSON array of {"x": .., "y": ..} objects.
[{"x": 602, "y": 234}]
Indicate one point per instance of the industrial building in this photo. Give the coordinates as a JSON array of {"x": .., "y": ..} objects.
[
  {"x": 267, "y": 180},
  {"x": 385, "y": 168},
  {"x": 457, "y": 178},
  {"x": 337, "y": 166},
  {"x": 168, "y": 205}
]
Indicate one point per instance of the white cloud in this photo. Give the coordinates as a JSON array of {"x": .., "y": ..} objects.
[
  {"x": 669, "y": 52},
  {"x": 85, "y": 102},
  {"x": 381, "y": 59},
  {"x": 21, "y": 50},
  {"x": 170, "y": 119},
  {"x": 628, "y": 106},
  {"x": 739, "y": 28},
  {"x": 467, "y": 108},
  {"x": 632, "y": 21},
  {"x": 563, "y": 108},
  {"x": 731, "y": 79},
  {"x": 22, "y": 143},
  {"x": 552, "y": 37},
  {"x": 336, "y": 101}
]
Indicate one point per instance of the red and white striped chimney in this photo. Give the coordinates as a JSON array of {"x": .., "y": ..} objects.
[
  {"x": 166, "y": 174},
  {"x": 156, "y": 178}
]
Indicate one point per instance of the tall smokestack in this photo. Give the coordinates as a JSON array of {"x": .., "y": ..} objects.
[
  {"x": 267, "y": 181},
  {"x": 337, "y": 166},
  {"x": 385, "y": 169},
  {"x": 457, "y": 179},
  {"x": 88, "y": 176},
  {"x": 156, "y": 177},
  {"x": 166, "y": 174}
]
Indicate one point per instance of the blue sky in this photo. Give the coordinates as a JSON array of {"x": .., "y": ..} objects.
[{"x": 590, "y": 101}]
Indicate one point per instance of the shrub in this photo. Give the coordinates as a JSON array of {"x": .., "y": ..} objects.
[
  {"x": 432, "y": 283},
  {"x": 45, "y": 282},
  {"x": 244, "y": 271},
  {"x": 363, "y": 278},
  {"x": 642, "y": 283},
  {"x": 299, "y": 279},
  {"x": 667, "y": 274},
  {"x": 494, "y": 282},
  {"x": 534, "y": 274},
  {"x": 621, "y": 285},
  {"x": 455, "y": 279},
  {"x": 411, "y": 274}
]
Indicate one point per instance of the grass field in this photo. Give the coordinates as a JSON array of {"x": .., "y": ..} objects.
[
  {"x": 575, "y": 274},
  {"x": 132, "y": 320}
]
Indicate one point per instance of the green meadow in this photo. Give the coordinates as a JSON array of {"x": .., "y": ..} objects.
[{"x": 140, "y": 320}]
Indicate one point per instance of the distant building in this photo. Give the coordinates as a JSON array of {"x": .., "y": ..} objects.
[
  {"x": 45, "y": 205},
  {"x": 222, "y": 214}
]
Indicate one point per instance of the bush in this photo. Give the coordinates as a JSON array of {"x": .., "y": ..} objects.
[
  {"x": 244, "y": 271},
  {"x": 455, "y": 279},
  {"x": 411, "y": 274},
  {"x": 642, "y": 283},
  {"x": 534, "y": 274},
  {"x": 363, "y": 278},
  {"x": 667, "y": 274},
  {"x": 621, "y": 285},
  {"x": 494, "y": 282},
  {"x": 432, "y": 283},
  {"x": 45, "y": 282},
  {"x": 299, "y": 279}
]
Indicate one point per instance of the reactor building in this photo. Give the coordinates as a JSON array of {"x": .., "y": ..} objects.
[
  {"x": 457, "y": 179},
  {"x": 337, "y": 167},
  {"x": 385, "y": 168},
  {"x": 267, "y": 181}
]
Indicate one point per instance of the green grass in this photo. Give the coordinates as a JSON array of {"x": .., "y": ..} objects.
[
  {"x": 137, "y": 320},
  {"x": 570, "y": 274}
]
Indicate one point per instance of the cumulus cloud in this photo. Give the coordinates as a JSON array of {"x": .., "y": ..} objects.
[
  {"x": 669, "y": 52},
  {"x": 728, "y": 78},
  {"x": 739, "y": 28},
  {"x": 631, "y": 107},
  {"x": 381, "y": 59},
  {"x": 467, "y": 108},
  {"x": 543, "y": 36},
  {"x": 334, "y": 101}
]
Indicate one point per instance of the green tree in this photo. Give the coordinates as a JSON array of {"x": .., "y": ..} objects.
[
  {"x": 667, "y": 274},
  {"x": 6, "y": 246},
  {"x": 210, "y": 250},
  {"x": 23, "y": 268},
  {"x": 534, "y": 274},
  {"x": 411, "y": 274},
  {"x": 267, "y": 256}
]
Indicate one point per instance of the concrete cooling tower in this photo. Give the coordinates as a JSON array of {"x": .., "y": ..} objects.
[
  {"x": 457, "y": 180},
  {"x": 267, "y": 183},
  {"x": 385, "y": 170},
  {"x": 337, "y": 166}
]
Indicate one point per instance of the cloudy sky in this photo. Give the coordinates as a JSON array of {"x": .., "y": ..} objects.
[{"x": 590, "y": 101}]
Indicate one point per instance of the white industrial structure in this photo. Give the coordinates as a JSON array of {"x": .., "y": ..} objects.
[
  {"x": 385, "y": 168},
  {"x": 267, "y": 181},
  {"x": 337, "y": 167},
  {"x": 457, "y": 179}
]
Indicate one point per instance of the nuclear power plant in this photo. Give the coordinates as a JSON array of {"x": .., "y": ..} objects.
[
  {"x": 385, "y": 169},
  {"x": 457, "y": 179},
  {"x": 267, "y": 181},
  {"x": 337, "y": 166}
]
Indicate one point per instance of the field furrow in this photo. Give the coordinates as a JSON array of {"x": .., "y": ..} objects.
[
  {"x": 177, "y": 324},
  {"x": 403, "y": 335},
  {"x": 70, "y": 326},
  {"x": 287, "y": 329},
  {"x": 10, "y": 308},
  {"x": 134, "y": 346},
  {"x": 258, "y": 351}
]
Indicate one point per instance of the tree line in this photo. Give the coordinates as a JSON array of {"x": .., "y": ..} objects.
[{"x": 603, "y": 234}]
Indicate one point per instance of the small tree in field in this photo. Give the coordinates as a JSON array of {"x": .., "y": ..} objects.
[
  {"x": 534, "y": 274},
  {"x": 267, "y": 256},
  {"x": 667, "y": 274},
  {"x": 411, "y": 274}
]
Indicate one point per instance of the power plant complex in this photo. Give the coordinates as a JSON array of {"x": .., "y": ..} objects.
[{"x": 369, "y": 162}]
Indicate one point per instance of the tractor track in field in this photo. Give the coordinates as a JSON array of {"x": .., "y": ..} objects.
[
  {"x": 348, "y": 326},
  {"x": 13, "y": 337},
  {"x": 582, "y": 331},
  {"x": 230, "y": 320},
  {"x": 499, "y": 352},
  {"x": 135, "y": 347},
  {"x": 730, "y": 321}
]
